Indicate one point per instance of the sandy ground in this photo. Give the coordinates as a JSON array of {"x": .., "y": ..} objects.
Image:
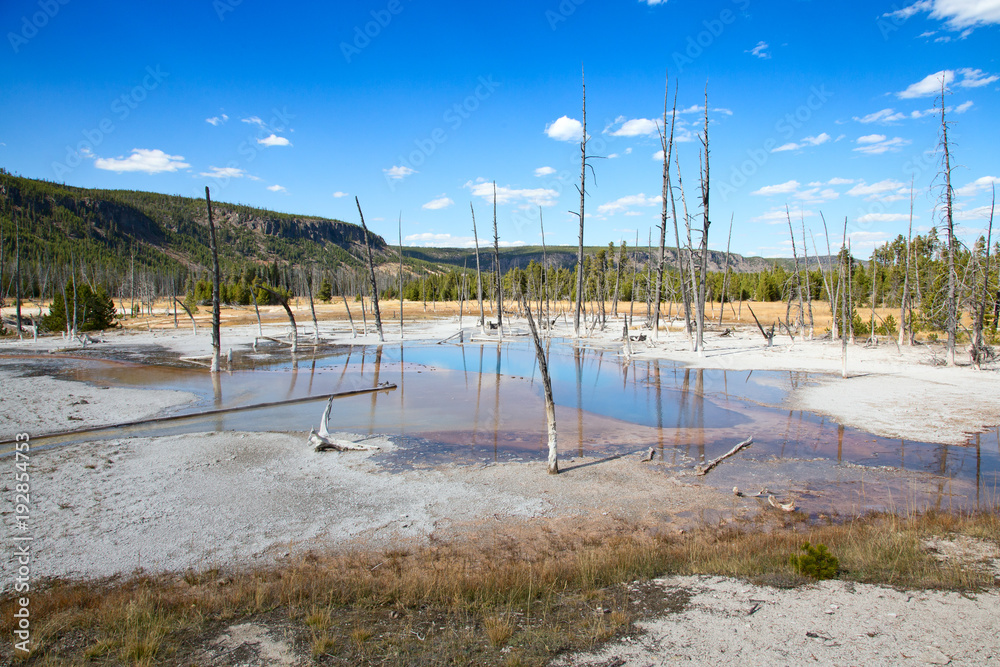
[
  {"x": 730, "y": 622},
  {"x": 176, "y": 502}
]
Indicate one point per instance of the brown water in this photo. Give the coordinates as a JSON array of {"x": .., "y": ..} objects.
[{"x": 481, "y": 403}]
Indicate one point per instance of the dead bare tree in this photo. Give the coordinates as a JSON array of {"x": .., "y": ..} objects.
[
  {"x": 401, "y": 275},
  {"x": 283, "y": 300},
  {"x": 216, "y": 340},
  {"x": 798, "y": 273},
  {"x": 545, "y": 282},
  {"x": 17, "y": 275},
  {"x": 905, "y": 314},
  {"x": 371, "y": 274},
  {"x": 725, "y": 276},
  {"x": 350, "y": 318},
  {"x": 583, "y": 198},
  {"x": 550, "y": 405},
  {"x": 312, "y": 307},
  {"x": 479, "y": 274},
  {"x": 979, "y": 353},
  {"x": 952, "y": 304},
  {"x": 194, "y": 325},
  {"x": 706, "y": 222},
  {"x": 496, "y": 259},
  {"x": 667, "y": 145}
]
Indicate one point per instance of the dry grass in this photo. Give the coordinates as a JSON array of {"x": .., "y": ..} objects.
[{"x": 532, "y": 590}]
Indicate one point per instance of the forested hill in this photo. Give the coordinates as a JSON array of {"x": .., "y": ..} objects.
[
  {"x": 110, "y": 234},
  {"x": 564, "y": 257},
  {"x": 62, "y": 225}
]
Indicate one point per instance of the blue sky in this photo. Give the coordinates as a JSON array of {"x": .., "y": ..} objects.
[{"x": 416, "y": 108}]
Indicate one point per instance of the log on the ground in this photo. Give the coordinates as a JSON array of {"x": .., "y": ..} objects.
[{"x": 731, "y": 452}]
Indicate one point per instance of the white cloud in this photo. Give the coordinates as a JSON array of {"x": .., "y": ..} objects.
[
  {"x": 145, "y": 160},
  {"x": 877, "y": 144},
  {"x": 780, "y": 189},
  {"x": 928, "y": 86},
  {"x": 544, "y": 171},
  {"x": 807, "y": 141},
  {"x": 508, "y": 195},
  {"x": 217, "y": 120},
  {"x": 880, "y": 190},
  {"x": 871, "y": 139},
  {"x": 963, "y": 107},
  {"x": 883, "y": 116},
  {"x": 984, "y": 184},
  {"x": 636, "y": 127},
  {"x": 816, "y": 195},
  {"x": 438, "y": 204},
  {"x": 865, "y": 240},
  {"x": 398, "y": 173},
  {"x": 338, "y": 194},
  {"x": 565, "y": 129},
  {"x": 277, "y": 188},
  {"x": 624, "y": 204},
  {"x": 884, "y": 217},
  {"x": 432, "y": 240},
  {"x": 274, "y": 140},
  {"x": 779, "y": 216},
  {"x": 957, "y": 14},
  {"x": 760, "y": 50},
  {"x": 978, "y": 213},
  {"x": 224, "y": 172},
  {"x": 840, "y": 181},
  {"x": 253, "y": 120},
  {"x": 976, "y": 78}
]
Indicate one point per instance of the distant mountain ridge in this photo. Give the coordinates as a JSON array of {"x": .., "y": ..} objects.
[{"x": 65, "y": 224}]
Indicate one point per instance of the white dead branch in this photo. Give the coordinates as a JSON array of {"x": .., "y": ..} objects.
[{"x": 322, "y": 441}]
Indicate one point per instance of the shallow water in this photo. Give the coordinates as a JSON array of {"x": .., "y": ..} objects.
[{"x": 480, "y": 403}]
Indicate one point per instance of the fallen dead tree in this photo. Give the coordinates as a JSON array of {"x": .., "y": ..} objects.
[
  {"x": 207, "y": 413},
  {"x": 746, "y": 443}
]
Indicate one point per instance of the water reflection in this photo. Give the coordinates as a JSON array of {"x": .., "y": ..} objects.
[{"x": 448, "y": 407}]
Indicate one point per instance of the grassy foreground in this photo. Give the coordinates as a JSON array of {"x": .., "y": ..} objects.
[{"x": 510, "y": 595}]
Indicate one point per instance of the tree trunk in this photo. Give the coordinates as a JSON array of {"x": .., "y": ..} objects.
[
  {"x": 479, "y": 274},
  {"x": 905, "y": 318},
  {"x": 668, "y": 146},
  {"x": 550, "y": 406},
  {"x": 194, "y": 325},
  {"x": 216, "y": 341},
  {"x": 725, "y": 276},
  {"x": 350, "y": 318},
  {"x": 583, "y": 193},
  {"x": 705, "y": 185},
  {"x": 371, "y": 274},
  {"x": 496, "y": 258},
  {"x": 950, "y": 222},
  {"x": 400, "y": 276}
]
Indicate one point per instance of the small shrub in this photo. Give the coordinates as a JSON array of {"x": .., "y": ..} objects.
[{"x": 816, "y": 562}]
